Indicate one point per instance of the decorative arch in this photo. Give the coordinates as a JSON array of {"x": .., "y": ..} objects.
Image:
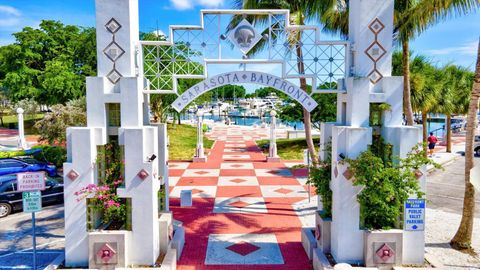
[{"x": 239, "y": 77}]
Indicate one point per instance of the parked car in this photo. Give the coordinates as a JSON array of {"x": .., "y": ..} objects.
[
  {"x": 25, "y": 164},
  {"x": 11, "y": 199},
  {"x": 476, "y": 145}
]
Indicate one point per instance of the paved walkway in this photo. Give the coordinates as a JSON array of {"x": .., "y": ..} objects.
[{"x": 246, "y": 213}]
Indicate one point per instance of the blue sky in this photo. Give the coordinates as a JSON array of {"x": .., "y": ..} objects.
[{"x": 452, "y": 41}]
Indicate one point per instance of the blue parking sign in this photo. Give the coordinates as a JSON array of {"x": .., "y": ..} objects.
[{"x": 414, "y": 219}]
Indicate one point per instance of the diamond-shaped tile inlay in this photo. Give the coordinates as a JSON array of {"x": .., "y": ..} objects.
[
  {"x": 283, "y": 190},
  {"x": 376, "y": 26},
  {"x": 237, "y": 180},
  {"x": 72, "y": 175},
  {"x": 237, "y": 166},
  {"x": 239, "y": 204},
  {"x": 375, "y": 51},
  {"x": 113, "y": 51},
  {"x": 113, "y": 26},
  {"x": 375, "y": 76},
  {"x": 243, "y": 248},
  {"x": 201, "y": 172},
  {"x": 418, "y": 174},
  {"x": 114, "y": 76},
  {"x": 106, "y": 252},
  {"x": 196, "y": 191},
  {"x": 385, "y": 252},
  {"x": 244, "y": 36},
  {"x": 348, "y": 174},
  {"x": 318, "y": 232},
  {"x": 142, "y": 174}
]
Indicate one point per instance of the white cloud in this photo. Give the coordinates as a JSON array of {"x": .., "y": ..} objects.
[
  {"x": 189, "y": 4},
  {"x": 158, "y": 33},
  {"x": 9, "y": 10},
  {"x": 9, "y": 16},
  {"x": 469, "y": 48}
]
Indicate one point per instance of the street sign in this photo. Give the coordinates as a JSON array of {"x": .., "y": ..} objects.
[
  {"x": 31, "y": 181},
  {"x": 414, "y": 215},
  {"x": 32, "y": 201}
]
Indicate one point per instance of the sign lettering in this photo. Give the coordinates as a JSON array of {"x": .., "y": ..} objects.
[
  {"x": 245, "y": 77},
  {"x": 414, "y": 215},
  {"x": 31, "y": 181}
]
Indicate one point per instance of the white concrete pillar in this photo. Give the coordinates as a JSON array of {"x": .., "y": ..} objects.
[
  {"x": 22, "y": 143},
  {"x": 199, "y": 151},
  {"x": 272, "y": 150},
  {"x": 79, "y": 171},
  {"x": 142, "y": 185},
  {"x": 347, "y": 237},
  {"x": 163, "y": 161}
]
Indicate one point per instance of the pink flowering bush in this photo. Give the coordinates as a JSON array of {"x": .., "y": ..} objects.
[{"x": 104, "y": 200}]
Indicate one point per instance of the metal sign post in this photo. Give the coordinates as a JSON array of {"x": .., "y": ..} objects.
[{"x": 31, "y": 184}]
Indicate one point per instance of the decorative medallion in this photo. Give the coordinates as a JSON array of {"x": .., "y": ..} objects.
[
  {"x": 385, "y": 252},
  {"x": 106, "y": 253},
  {"x": 72, "y": 175},
  {"x": 142, "y": 174},
  {"x": 375, "y": 51},
  {"x": 244, "y": 36},
  {"x": 113, "y": 26}
]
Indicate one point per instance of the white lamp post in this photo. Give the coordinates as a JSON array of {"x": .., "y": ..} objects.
[
  {"x": 199, "y": 152},
  {"x": 22, "y": 143},
  {"x": 272, "y": 153}
]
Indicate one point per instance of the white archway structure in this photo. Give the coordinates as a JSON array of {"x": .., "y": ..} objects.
[{"x": 253, "y": 77}]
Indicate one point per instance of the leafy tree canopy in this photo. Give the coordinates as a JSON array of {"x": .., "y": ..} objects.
[{"x": 48, "y": 64}]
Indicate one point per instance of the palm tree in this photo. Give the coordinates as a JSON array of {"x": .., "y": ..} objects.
[
  {"x": 463, "y": 237},
  {"x": 411, "y": 18},
  {"x": 300, "y": 11},
  {"x": 426, "y": 84},
  {"x": 454, "y": 96}
]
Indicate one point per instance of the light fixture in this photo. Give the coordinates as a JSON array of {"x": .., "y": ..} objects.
[
  {"x": 341, "y": 156},
  {"x": 152, "y": 158}
]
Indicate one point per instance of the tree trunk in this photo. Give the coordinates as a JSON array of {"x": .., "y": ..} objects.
[
  {"x": 179, "y": 116},
  {"x": 425, "y": 131},
  {"x": 306, "y": 114},
  {"x": 463, "y": 237},
  {"x": 449, "y": 133},
  {"x": 407, "y": 103}
]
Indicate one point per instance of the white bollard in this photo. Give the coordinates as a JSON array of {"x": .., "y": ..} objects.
[
  {"x": 272, "y": 151},
  {"x": 199, "y": 151},
  {"x": 22, "y": 143}
]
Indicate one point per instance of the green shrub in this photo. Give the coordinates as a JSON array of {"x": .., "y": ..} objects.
[
  {"x": 56, "y": 155},
  {"x": 320, "y": 176},
  {"x": 386, "y": 186}
]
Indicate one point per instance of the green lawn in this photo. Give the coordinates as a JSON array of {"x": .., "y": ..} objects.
[
  {"x": 183, "y": 140},
  {"x": 288, "y": 149},
  {"x": 14, "y": 119}
]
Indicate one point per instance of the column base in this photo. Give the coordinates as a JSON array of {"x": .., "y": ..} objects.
[
  {"x": 199, "y": 159},
  {"x": 273, "y": 159}
]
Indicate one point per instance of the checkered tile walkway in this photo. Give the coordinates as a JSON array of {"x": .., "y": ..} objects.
[{"x": 244, "y": 212}]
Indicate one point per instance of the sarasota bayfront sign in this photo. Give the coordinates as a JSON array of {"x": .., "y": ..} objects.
[{"x": 240, "y": 77}]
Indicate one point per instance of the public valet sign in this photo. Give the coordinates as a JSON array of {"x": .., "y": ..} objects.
[
  {"x": 239, "y": 77},
  {"x": 414, "y": 215}
]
